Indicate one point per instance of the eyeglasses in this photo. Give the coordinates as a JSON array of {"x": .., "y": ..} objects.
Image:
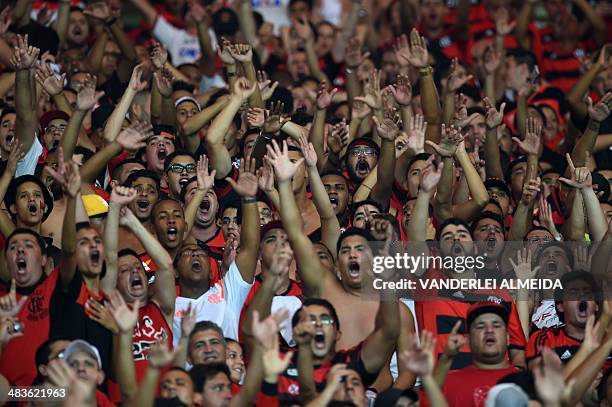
[
  {"x": 538, "y": 239},
  {"x": 53, "y": 129},
  {"x": 368, "y": 152},
  {"x": 322, "y": 319},
  {"x": 178, "y": 168}
]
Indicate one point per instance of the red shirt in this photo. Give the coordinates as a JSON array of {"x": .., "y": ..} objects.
[
  {"x": 17, "y": 362},
  {"x": 554, "y": 338},
  {"x": 470, "y": 386}
]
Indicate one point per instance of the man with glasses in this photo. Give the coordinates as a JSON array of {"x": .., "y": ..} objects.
[
  {"x": 49, "y": 350},
  {"x": 53, "y": 125},
  {"x": 361, "y": 158},
  {"x": 179, "y": 167}
]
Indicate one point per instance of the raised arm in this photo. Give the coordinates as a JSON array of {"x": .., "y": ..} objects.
[
  {"x": 597, "y": 115},
  {"x": 305, "y": 33},
  {"x": 193, "y": 125},
  {"x": 115, "y": 121},
  {"x": 575, "y": 97},
  {"x": 246, "y": 188},
  {"x": 244, "y": 54},
  {"x": 203, "y": 21},
  {"x": 16, "y": 153},
  {"x": 387, "y": 130},
  {"x": 248, "y": 27},
  {"x": 330, "y": 227},
  {"x": 218, "y": 154},
  {"x": 23, "y": 60},
  {"x": 451, "y": 138},
  {"x": 523, "y": 215},
  {"x": 493, "y": 120},
  {"x": 430, "y": 176},
  {"x": 310, "y": 267},
  {"x": 165, "y": 292},
  {"x": 61, "y": 24},
  {"x": 317, "y": 131},
  {"x": 595, "y": 20}
]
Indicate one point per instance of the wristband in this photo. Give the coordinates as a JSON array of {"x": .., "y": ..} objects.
[
  {"x": 425, "y": 71},
  {"x": 248, "y": 199}
]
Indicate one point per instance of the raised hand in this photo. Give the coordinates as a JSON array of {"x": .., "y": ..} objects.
[
  {"x": 430, "y": 176},
  {"x": 266, "y": 87},
  {"x": 389, "y": 128},
  {"x": 579, "y": 177},
  {"x": 99, "y": 11},
  {"x": 188, "y": 321},
  {"x": 550, "y": 382},
  {"x": 16, "y": 153},
  {"x": 353, "y": 56},
  {"x": 135, "y": 136},
  {"x": 163, "y": 80},
  {"x": 494, "y": 118},
  {"x": 47, "y": 79},
  {"x": 265, "y": 178},
  {"x": 9, "y": 306},
  {"x": 246, "y": 186},
  {"x": 137, "y": 84},
  {"x": 461, "y": 118},
  {"x": 308, "y": 151},
  {"x": 122, "y": 196},
  {"x": 503, "y": 25},
  {"x": 531, "y": 188},
  {"x": 125, "y": 318},
  {"x": 401, "y": 90},
  {"x": 87, "y": 96},
  {"x": 256, "y": 116},
  {"x": 199, "y": 13},
  {"x": 206, "y": 179},
  {"x": 455, "y": 341},
  {"x": 284, "y": 169},
  {"x": 275, "y": 364},
  {"x": 99, "y": 313},
  {"x": 360, "y": 110},
  {"x": 451, "y": 138},
  {"x": 241, "y": 52},
  {"x": 24, "y": 55},
  {"x": 224, "y": 52},
  {"x": 455, "y": 81},
  {"x": 159, "y": 356},
  {"x": 243, "y": 88},
  {"x": 372, "y": 91},
  {"x": 338, "y": 137},
  {"x": 302, "y": 29},
  {"x": 127, "y": 217},
  {"x": 416, "y": 140},
  {"x": 546, "y": 218},
  {"x": 159, "y": 56},
  {"x": 413, "y": 53},
  {"x": 67, "y": 175},
  {"x": 266, "y": 331},
  {"x": 419, "y": 359},
  {"x": 10, "y": 329},
  {"x": 324, "y": 97},
  {"x": 601, "y": 110},
  {"x": 522, "y": 267},
  {"x": 229, "y": 252},
  {"x": 531, "y": 144},
  {"x": 273, "y": 119}
]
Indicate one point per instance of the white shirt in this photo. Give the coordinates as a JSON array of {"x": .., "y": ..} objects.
[
  {"x": 27, "y": 165},
  {"x": 183, "y": 47},
  {"x": 273, "y": 11},
  {"x": 291, "y": 304},
  {"x": 221, "y": 304},
  {"x": 545, "y": 316}
]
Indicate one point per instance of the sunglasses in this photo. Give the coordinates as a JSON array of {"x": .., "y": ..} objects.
[{"x": 179, "y": 168}]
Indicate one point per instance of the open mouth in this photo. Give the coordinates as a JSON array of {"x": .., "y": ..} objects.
[
  {"x": 457, "y": 249},
  {"x": 353, "y": 269},
  {"x": 196, "y": 266},
  {"x": 9, "y": 139},
  {"x": 137, "y": 283},
  {"x": 32, "y": 209},
  {"x": 142, "y": 204},
  {"x": 319, "y": 340},
  {"x": 205, "y": 205},
  {"x": 238, "y": 369},
  {"x": 582, "y": 309},
  {"x": 21, "y": 265},
  {"x": 183, "y": 182},
  {"x": 490, "y": 340},
  {"x": 363, "y": 166},
  {"x": 94, "y": 256},
  {"x": 56, "y": 143},
  {"x": 551, "y": 267},
  {"x": 491, "y": 243},
  {"x": 334, "y": 200},
  {"x": 161, "y": 155},
  {"x": 172, "y": 234}
]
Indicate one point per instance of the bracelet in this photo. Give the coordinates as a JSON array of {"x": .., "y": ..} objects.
[
  {"x": 248, "y": 199},
  {"x": 425, "y": 71}
]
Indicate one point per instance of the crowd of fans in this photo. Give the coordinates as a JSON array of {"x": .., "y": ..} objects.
[{"x": 193, "y": 193}]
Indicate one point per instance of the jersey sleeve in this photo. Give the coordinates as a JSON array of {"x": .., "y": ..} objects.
[
  {"x": 536, "y": 341},
  {"x": 236, "y": 289},
  {"x": 515, "y": 330}
]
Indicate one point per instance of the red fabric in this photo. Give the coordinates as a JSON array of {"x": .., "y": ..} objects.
[
  {"x": 553, "y": 338},
  {"x": 102, "y": 400},
  {"x": 17, "y": 361},
  {"x": 470, "y": 386}
]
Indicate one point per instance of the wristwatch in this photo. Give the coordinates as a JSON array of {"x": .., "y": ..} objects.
[{"x": 425, "y": 71}]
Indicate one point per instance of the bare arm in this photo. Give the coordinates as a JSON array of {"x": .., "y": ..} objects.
[
  {"x": 93, "y": 61},
  {"x": 595, "y": 20},
  {"x": 146, "y": 10},
  {"x": 521, "y": 31},
  {"x": 23, "y": 60},
  {"x": 193, "y": 125},
  {"x": 597, "y": 114},
  {"x": 494, "y": 119}
]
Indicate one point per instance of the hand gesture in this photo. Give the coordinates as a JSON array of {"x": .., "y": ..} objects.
[
  {"x": 127, "y": 218},
  {"x": 522, "y": 267},
  {"x": 9, "y": 306},
  {"x": 229, "y": 252},
  {"x": 338, "y": 137},
  {"x": 419, "y": 359},
  {"x": 503, "y": 25},
  {"x": 9, "y": 330},
  {"x": 243, "y": 88},
  {"x": 188, "y": 321},
  {"x": 546, "y": 218},
  {"x": 549, "y": 380},
  {"x": 60, "y": 374},
  {"x": 241, "y": 52},
  {"x": 402, "y": 90},
  {"x": 225, "y": 54},
  {"x": 302, "y": 29},
  {"x": 159, "y": 56},
  {"x": 579, "y": 177},
  {"x": 198, "y": 12},
  {"x": 582, "y": 259},
  {"x": 266, "y": 331},
  {"x": 266, "y": 87},
  {"x": 308, "y": 151},
  {"x": 275, "y": 364},
  {"x": 360, "y": 110},
  {"x": 137, "y": 84},
  {"x": 415, "y": 53},
  {"x": 455, "y": 341},
  {"x": 206, "y": 179},
  {"x": 124, "y": 316},
  {"x": 47, "y": 79},
  {"x": 389, "y": 128},
  {"x": 303, "y": 333},
  {"x": 122, "y": 196},
  {"x": 159, "y": 356},
  {"x": 373, "y": 95},
  {"x": 67, "y": 175},
  {"x": 163, "y": 80},
  {"x": 493, "y": 118},
  {"x": 456, "y": 81},
  {"x": 247, "y": 180},
  {"x": 601, "y": 110},
  {"x": 256, "y": 117},
  {"x": 325, "y": 97},
  {"x": 353, "y": 56},
  {"x": 265, "y": 178},
  {"x": 461, "y": 118},
  {"x": 135, "y": 136},
  {"x": 531, "y": 144},
  {"x": 531, "y": 188},
  {"x": 284, "y": 169},
  {"x": 99, "y": 313},
  {"x": 273, "y": 120},
  {"x": 16, "y": 153},
  {"x": 430, "y": 176},
  {"x": 416, "y": 140},
  {"x": 87, "y": 96},
  {"x": 451, "y": 138},
  {"x": 24, "y": 55}
]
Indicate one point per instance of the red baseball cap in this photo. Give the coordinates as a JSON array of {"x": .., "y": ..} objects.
[{"x": 487, "y": 307}]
